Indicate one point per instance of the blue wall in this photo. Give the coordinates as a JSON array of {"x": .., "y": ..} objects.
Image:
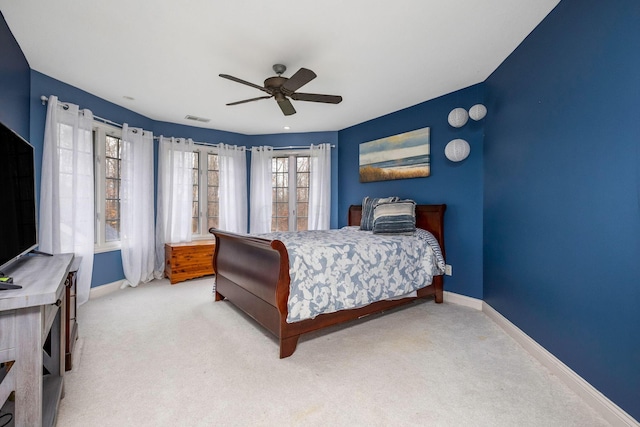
[
  {"x": 14, "y": 83},
  {"x": 562, "y": 192},
  {"x": 459, "y": 185}
]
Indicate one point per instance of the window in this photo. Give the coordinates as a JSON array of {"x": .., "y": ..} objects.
[
  {"x": 290, "y": 184},
  {"x": 206, "y": 181},
  {"x": 107, "y": 146}
]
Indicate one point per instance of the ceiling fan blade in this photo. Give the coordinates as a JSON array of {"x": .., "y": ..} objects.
[
  {"x": 315, "y": 97},
  {"x": 249, "y": 100},
  {"x": 286, "y": 106},
  {"x": 299, "y": 79},
  {"x": 244, "y": 82}
]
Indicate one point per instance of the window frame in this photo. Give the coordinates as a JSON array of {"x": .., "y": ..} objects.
[
  {"x": 292, "y": 185},
  {"x": 203, "y": 194},
  {"x": 100, "y": 133}
]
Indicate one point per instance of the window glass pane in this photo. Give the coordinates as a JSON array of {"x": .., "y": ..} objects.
[
  {"x": 212, "y": 195},
  {"x": 302, "y": 164},
  {"x": 212, "y": 210},
  {"x": 302, "y": 194},
  {"x": 283, "y": 195},
  {"x": 112, "y": 188},
  {"x": 302, "y": 224},
  {"x": 282, "y": 210},
  {"x": 112, "y": 209},
  {"x": 213, "y": 162},
  {"x": 282, "y": 224},
  {"x": 112, "y": 168},
  {"x": 112, "y": 147},
  {"x": 112, "y": 231},
  {"x": 302, "y": 179},
  {"x": 213, "y": 178},
  {"x": 302, "y": 210}
]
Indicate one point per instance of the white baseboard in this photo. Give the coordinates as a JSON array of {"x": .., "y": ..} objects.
[
  {"x": 464, "y": 300},
  {"x": 102, "y": 290},
  {"x": 605, "y": 407}
]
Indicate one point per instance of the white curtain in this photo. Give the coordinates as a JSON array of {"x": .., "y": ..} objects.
[
  {"x": 233, "y": 188},
  {"x": 261, "y": 189},
  {"x": 175, "y": 195},
  {"x": 136, "y": 206},
  {"x": 320, "y": 187},
  {"x": 67, "y": 209}
]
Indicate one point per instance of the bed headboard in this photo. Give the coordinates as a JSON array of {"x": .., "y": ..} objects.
[{"x": 428, "y": 217}]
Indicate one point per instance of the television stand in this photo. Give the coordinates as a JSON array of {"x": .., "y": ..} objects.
[{"x": 32, "y": 321}]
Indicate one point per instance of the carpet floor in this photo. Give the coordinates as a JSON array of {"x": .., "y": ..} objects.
[{"x": 162, "y": 355}]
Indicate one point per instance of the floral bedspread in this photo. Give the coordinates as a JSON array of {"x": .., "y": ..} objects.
[{"x": 334, "y": 270}]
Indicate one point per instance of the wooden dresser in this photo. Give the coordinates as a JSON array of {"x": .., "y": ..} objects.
[{"x": 188, "y": 260}]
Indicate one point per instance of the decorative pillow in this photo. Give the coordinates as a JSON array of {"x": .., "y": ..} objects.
[
  {"x": 368, "y": 204},
  {"x": 395, "y": 217}
]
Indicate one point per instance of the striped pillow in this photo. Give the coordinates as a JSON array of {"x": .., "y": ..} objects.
[
  {"x": 368, "y": 204},
  {"x": 395, "y": 217}
]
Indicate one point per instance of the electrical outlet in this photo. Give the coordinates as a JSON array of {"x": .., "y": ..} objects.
[{"x": 447, "y": 270}]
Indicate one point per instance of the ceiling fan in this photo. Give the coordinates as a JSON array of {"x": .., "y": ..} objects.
[{"x": 282, "y": 88}]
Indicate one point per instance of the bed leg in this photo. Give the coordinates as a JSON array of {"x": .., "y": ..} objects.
[
  {"x": 439, "y": 295},
  {"x": 288, "y": 346},
  {"x": 219, "y": 296}
]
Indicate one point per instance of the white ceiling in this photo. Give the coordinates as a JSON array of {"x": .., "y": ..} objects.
[{"x": 380, "y": 56}]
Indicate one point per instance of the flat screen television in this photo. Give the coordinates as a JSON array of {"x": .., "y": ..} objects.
[{"x": 18, "y": 219}]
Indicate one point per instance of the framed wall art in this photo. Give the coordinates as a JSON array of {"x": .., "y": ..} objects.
[{"x": 401, "y": 156}]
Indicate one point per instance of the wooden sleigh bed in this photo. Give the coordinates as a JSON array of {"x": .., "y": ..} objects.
[{"x": 253, "y": 274}]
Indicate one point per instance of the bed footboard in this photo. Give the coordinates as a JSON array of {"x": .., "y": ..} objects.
[{"x": 253, "y": 274}]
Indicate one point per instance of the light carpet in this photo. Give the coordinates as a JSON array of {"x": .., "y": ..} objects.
[{"x": 163, "y": 355}]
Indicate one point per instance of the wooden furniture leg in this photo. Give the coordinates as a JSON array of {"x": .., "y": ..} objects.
[{"x": 288, "y": 346}]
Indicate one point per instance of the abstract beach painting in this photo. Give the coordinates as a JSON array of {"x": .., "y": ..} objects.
[{"x": 401, "y": 156}]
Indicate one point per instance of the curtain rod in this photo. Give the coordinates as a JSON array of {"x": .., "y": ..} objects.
[
  {"x": 45, "y": 99},
  {"x": 296, "y": 147}
]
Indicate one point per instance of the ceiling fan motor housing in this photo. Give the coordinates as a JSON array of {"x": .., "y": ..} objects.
[{"x": 274, "y": 82}]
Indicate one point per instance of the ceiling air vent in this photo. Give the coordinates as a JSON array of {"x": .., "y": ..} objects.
[{"x": 197, "y": 119}]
